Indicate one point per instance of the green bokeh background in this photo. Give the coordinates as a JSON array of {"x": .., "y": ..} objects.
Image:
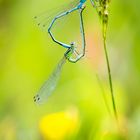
[{"x": 28, "y": 56}]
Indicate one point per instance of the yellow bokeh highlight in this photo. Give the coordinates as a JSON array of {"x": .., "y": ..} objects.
[{"x": 58, "y": 126}]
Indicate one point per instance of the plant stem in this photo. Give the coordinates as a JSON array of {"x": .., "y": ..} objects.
[{"x": 109, "y": 73}]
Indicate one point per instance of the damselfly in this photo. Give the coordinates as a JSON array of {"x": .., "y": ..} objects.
[{"x": 71, "y": 55}]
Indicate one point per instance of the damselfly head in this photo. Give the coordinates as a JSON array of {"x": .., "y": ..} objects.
[
  {"x": 72, "y": 43},
  {"x": 83, "y": 7},
  {"x": 73, "y": 46}
]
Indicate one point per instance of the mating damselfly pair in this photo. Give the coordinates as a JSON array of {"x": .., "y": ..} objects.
[{"x": 72, "y": 54}]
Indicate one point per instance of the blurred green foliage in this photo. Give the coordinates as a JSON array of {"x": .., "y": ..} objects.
[{"x": 28, "y": 56}]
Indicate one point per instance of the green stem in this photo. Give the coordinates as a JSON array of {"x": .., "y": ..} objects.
[
  {"x": 103, "y": 93},
  {"x": 109, "y": 75}
]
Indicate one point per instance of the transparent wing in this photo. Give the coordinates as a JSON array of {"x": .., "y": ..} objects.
[
  {"x": 44, "y": 19},
  {"x": 49, "y": 86}
]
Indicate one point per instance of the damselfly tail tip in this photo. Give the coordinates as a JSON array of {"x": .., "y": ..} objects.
[{"x": 36, "y": 98}]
